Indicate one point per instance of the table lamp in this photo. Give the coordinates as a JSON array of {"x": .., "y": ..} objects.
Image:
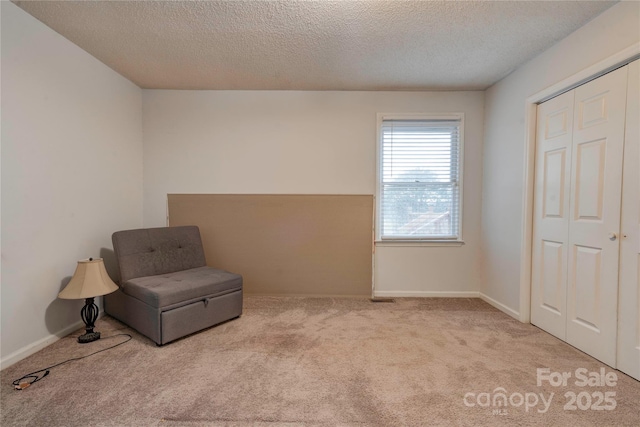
[{"x": 90, "y": 280}]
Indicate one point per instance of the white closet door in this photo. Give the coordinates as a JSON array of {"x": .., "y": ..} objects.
[
  {"x": 594, "y": 221},
  {"x": 629, "y": 303},
  {"x": 551, "y": 214}
]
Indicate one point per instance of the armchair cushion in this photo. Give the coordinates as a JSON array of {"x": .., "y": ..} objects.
[{"x": 167, "y": 289}]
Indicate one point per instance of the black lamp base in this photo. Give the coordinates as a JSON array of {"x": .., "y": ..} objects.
[
  {"x": 89, "y": 315},
  {"x": 88, "y": 337}
]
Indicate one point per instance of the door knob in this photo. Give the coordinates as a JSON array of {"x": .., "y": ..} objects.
[{"x": 613, "y": 236}]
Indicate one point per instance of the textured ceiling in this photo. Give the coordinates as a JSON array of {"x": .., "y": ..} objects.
[{"x": 314, "y": 45}]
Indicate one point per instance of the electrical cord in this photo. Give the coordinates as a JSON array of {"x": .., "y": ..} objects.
[{"x": 33, "y": 377}]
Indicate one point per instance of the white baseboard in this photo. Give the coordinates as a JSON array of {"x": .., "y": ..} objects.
[
  {"x": 500, "y": 306},
  {"x": 427, "y": 294},
  {"x": 445, "y": 294},
  {"x": 32, "y": 348}
]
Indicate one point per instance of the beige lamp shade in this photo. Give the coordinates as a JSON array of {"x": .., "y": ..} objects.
[{"x": 90, "y": 280}]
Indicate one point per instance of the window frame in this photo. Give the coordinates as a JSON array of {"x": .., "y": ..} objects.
[{"x": 419, "y": 241}]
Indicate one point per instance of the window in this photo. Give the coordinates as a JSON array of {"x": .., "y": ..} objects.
[{"x": 420, "y": 178}]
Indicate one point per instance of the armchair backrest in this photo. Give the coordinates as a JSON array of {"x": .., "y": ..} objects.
[{"x": 152, "y": 251}]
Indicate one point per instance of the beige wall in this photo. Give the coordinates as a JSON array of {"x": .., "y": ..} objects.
[
  {"x": 71, "y": 174},
  {"x": 504, "y": 140},
  {"x": 288, "y": 142}
]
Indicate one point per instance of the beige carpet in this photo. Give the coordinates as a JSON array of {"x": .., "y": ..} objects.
[{"x": 321, "y": 362}]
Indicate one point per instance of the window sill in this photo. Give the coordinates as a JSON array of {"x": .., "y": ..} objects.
[{"x": 414, "y": 243}]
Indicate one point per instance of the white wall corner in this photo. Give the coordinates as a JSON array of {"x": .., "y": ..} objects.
[
  {"x": 511, "y": 312},
  {"x": 88, "y": 136}
]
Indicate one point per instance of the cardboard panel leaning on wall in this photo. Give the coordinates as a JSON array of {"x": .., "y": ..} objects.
[{"x": 285, "y": 244}]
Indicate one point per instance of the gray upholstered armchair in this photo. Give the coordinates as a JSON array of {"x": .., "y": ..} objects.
[{"x": 166, "y": 289}]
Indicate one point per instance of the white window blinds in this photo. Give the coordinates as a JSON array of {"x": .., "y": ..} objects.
[{"x": 420, "y": 177}]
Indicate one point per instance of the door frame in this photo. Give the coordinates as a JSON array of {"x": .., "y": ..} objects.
[{"x": 617, "y": 60}]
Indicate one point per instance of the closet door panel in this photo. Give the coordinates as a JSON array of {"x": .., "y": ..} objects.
[
  {"x": 629, "y": 302},
  {"x": 551, "y": 211},
  {"x": 594, "y": 219}
]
